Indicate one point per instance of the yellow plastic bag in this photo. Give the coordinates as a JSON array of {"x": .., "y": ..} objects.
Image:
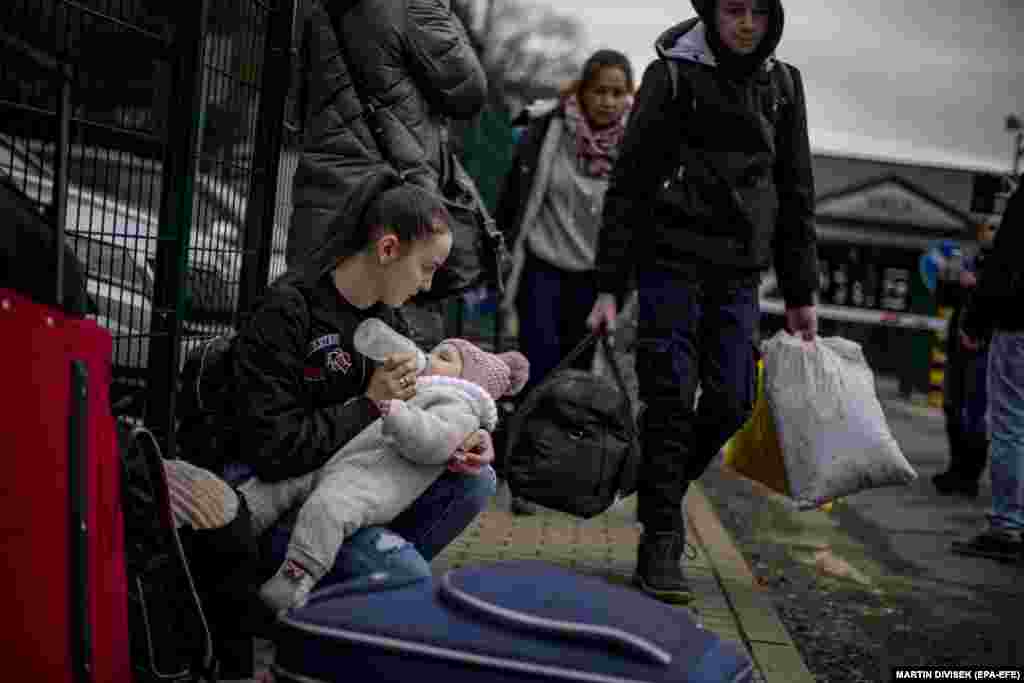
[{"x": 754, "y": 451}]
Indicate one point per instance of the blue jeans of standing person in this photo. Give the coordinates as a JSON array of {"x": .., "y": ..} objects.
[
  {"x": 965, "y": 403},
  {"x": 552, "y": 305},
  {"x": 1006, "y": 430},
  {"x": 694, "y": 328}
]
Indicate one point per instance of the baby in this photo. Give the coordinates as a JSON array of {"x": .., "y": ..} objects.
[{"x": 387, "y": 466}]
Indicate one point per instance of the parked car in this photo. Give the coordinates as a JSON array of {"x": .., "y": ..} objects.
[{"x": 112, "y": 227}]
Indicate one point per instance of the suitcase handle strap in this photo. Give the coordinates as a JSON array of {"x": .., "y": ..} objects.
[{"x": 571, "y": 630}]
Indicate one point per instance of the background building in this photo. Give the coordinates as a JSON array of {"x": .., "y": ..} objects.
[{"x": 875, "y": 219}]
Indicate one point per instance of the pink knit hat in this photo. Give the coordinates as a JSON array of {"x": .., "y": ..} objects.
[{"x": 499, "y": 375}]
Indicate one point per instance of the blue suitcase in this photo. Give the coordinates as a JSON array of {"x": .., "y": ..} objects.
[{"x": 500, "y": 623}]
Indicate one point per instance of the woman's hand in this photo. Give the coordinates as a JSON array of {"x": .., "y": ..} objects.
[
  {"x": 395, "y": 378},
  {"x": 602, "y": 315},
  {"x": 802, "y": 321},
  {"x": 475, "y": 452}
]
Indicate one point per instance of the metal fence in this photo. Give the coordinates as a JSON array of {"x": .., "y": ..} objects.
[{"x": 150, "y": 133}]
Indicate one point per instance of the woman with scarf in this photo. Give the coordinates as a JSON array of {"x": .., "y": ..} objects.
[
  {"x": 550, "y": 209},
  {"x": 550, "y": 213}
]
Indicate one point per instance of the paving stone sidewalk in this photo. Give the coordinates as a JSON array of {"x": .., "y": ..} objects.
[{"x": 728, "y": 599}]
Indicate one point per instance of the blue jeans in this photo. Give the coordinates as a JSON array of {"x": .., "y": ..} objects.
[
  {"x": 405, "y": 547},
  {"x": 1006, "y": 427},
  {"x": 693, "y": 329}
]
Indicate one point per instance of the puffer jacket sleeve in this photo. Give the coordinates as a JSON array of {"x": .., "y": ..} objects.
[
  {"x": 794, "y": 244},
  {"x": 642, "y": 165},
  {"x": 443, "y": 62},
  {"x": 281, "y": 433}
]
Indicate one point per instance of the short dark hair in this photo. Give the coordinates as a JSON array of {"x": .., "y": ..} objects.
[
  {"x": 603, "y": 59},
  {"x": 409, "y": 211}
]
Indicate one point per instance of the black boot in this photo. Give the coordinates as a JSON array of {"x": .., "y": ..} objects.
[
  {"x": 951, "y": 483},
  {"x": 658, "y": 570}
]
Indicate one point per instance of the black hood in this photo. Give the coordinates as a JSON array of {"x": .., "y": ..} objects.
[{"x": 735, "y": 65}]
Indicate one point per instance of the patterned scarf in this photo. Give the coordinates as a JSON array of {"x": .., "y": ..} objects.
[{"x": 596, "y": 150}]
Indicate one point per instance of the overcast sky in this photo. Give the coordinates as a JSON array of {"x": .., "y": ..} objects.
[{"x": 913, "y": 79}]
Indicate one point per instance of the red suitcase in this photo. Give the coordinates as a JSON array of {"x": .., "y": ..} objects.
[{"x": 61, "y": 532}]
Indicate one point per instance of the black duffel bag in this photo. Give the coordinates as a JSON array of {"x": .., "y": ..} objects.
[{"x": 573, "y": 444}]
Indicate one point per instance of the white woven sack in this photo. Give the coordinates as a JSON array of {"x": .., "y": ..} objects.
[{"x": 834, "y": 437}]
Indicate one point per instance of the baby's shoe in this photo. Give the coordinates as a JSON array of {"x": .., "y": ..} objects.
[{"x": 289, "y": 587}]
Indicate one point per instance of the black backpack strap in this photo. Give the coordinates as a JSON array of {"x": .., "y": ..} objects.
[
  {"x": 785, "y": 77},
  {"x": 299, "y": 67},
  {"x": 673, "y": 76}
]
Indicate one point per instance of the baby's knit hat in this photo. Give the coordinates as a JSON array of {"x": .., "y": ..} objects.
[{"x": 499, "y": 375}]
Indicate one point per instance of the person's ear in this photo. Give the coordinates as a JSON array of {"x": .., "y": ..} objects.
[{"x": 389, "y": 248}]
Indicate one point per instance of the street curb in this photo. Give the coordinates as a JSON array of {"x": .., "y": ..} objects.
[{"x": 767, "y": 639}]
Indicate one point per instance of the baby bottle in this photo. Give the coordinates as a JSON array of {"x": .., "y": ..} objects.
[{"x": 377, "y": 340}]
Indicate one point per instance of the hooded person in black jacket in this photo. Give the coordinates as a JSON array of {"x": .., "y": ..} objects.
[{"x": 713, "y": 184}]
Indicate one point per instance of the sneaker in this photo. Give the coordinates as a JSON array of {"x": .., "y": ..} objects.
[
  {"x": 289, "y": 587},
  {"x": 658, "y": 570},
  {"x": 949, "y": 483},
  {"x": 995, "y": 544}
]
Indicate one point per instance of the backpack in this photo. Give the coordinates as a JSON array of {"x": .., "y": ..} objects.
[
  {"x": 169, "y": 636},
  {"x": 205, "y": 433},
  {"x": 573, "y": 444}
]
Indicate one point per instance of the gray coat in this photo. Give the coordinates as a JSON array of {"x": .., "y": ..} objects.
[{"x": 413, "y": 60}]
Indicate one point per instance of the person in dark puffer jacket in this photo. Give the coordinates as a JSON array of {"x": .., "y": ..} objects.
[
  {"x": 413, "y": 59},
  {"x": 713, "y": 184}
]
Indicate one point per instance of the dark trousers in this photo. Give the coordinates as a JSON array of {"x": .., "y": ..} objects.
[
  {"x": 225, "y": 566},
  {"x": 964, "y": 402},
  {"x": 693, "y": 329},
  {"x": 552, "y": 305}
]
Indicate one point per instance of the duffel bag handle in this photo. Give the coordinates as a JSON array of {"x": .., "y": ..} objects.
[{"x": 606, "y": 346}]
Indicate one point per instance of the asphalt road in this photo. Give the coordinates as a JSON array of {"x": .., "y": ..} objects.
[{"x": 912, "y": 527}]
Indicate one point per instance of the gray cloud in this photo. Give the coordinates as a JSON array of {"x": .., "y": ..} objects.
[{"x": 933, "y": 81}]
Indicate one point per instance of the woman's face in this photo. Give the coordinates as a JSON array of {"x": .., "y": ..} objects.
[
  {"x": 445, "y": 360},
  {"x": 411, "y": 269},
  {"x": 742, "y": 24},
  {"x": 605, "y": 97}
]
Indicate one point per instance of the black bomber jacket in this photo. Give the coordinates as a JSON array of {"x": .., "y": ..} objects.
[{"x": 300, "y": 384}]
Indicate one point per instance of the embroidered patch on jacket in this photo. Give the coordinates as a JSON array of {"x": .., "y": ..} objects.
[
  {"x": 320, "y": 343},
  {"x": 339, "y": 361}
]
